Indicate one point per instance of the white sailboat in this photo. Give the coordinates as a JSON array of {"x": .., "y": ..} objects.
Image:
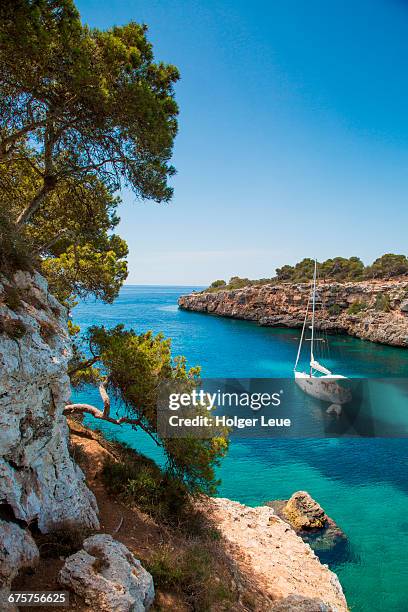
[{"x": 318, "y": 382}]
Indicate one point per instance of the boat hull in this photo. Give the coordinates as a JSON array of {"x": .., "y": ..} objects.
[{"x": 324, "y": 388}]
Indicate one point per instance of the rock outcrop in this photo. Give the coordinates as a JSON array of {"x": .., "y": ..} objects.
[
  {"x": 40, "y": 485},
  {"x": 310, "y": 521},
  {"x": 304, "y": 513},
  {"x": 270, "y": 553},
  {"x": 372, "y": 310},
  {"x": 108, "y": 577}
]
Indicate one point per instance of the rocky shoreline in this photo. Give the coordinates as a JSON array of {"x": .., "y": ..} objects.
[{"x": 372, "y": 310}]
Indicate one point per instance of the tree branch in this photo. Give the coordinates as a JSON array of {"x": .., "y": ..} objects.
[
  {"x": 104, "y": 414},
  {"x": 105, "y": 398},
  {"x": 12, "y": 139},
  {"x": 84, "y": 364},
  {"x": 46, "y": 247},
  {"x": 35, "y": 203}
]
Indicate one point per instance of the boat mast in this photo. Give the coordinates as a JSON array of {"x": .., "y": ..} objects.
[{"x": 313, "y": 315}]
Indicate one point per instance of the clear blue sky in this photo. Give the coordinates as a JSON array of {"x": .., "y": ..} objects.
[{"x": 293, "y": 138}]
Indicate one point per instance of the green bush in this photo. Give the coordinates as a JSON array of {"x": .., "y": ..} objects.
[
  {"x": 138, "y": 480},
  {"x": 387, "y": 266},
  {"x": 334, "y": 309},
  {"x": 15, "y": 252},
  {"x": 192, "y": 572},
  {"x": 382, "y": 302},
  {"x": 357, "y": 307},
  {"x": 218, "y": 283}
]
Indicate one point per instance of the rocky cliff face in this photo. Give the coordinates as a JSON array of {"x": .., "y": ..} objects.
[
  {"x": 40, "y": 486},
  {"x": 269, "y": 553},
  {"x": 372, "y": 310}
]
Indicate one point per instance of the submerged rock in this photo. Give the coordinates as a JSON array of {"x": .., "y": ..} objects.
[{"x": 108, "y": 576}]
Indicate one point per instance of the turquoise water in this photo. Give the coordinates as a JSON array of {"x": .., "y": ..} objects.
[{"x": 361, "y": 483}]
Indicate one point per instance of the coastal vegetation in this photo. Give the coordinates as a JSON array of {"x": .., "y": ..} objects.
[
  {"x": 340, "y": 269},
  {"x": 83, "y": 113}
]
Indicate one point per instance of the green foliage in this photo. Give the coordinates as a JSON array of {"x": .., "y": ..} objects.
[
  {"x": 342, "y": 269},
  {"x": 94, "y": 101},
  {"x": 193, "y": 571},
  {"x": 382, "y": 302},
  {"x": 339, "y": 269},
  {"x": 357, "y": 307},
  {"x": 218, "y": 283},
  {"x": 235, "y": 282},
  {"x": 285, "y": 273},
  {"x": 138, "y": 480},
  {"x": 84, "y": 269},
  {"x": 387, "y": 266},
  {"x": 334, "y": 309},
  {"x": 82, "y": 112},
  {"x": 15, "y": 252},
  {"x": 138, "y": 365}
]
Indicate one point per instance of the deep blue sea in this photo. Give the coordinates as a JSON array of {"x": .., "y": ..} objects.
[{"x": 361, "y": 483}]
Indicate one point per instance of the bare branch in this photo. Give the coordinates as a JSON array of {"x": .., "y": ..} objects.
[
  {"x": 104, "y": 414},
  {"x": 105, "y": 398}
]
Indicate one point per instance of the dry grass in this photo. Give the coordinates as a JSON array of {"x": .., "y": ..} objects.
[
  {"x": 14, "y": 328},
  {"x": 65, "y": 539}
]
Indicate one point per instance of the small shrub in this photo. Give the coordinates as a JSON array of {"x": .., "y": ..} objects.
[
  {"x": 382, "y": 302},
  {"x": 56, "y": 311},
  {"x": 334, "y": 309},
  {"x": 357, "y": 307},
  {"x": 218, "y": 283},
  {"x": 193, "y": 572},
  {"x": 15, "y": 252},
  {"x": 12, "y": 297},
  {"x": 32, "y": 299},
  {"x": 77, "y": 453},
  {"x": 165, "y": 568},
  {"x": 65, "y": 539},
  {"x": 14, "y": 328},
  {"x": 47, "y": 331},
  {"x": 139, "y": 480}
]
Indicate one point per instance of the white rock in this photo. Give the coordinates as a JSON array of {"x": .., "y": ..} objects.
[
  {"x": 108, "y": 576},
  {"x": 17, "y": 550},
  {"x": 38, "y": 478}
]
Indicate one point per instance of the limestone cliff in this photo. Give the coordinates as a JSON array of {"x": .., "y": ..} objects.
[
  {"x": 40, "y": 486},
  {"x": 372, "y": 310},
  {"x": 270, "y": 554}
]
